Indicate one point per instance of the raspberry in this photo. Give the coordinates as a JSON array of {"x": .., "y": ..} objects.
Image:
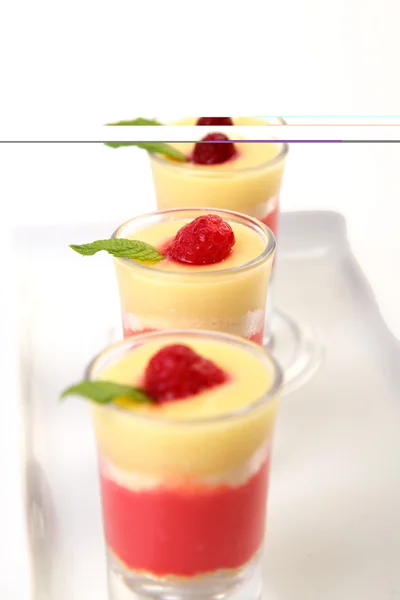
[
  {"x": 213, "y": 154},
  {"x": 214, "y": 121},
  {"x": 204, "y": 241},
  {"x": 176, "y": 372}
]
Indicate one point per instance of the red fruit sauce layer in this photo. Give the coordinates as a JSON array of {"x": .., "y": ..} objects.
[
  {"x": 272, "y": 220},
  {"x": 257, "y": 338},
  {"x": 185, "y": 531}
]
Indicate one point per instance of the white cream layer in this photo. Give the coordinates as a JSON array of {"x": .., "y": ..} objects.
[
  {"x": 233, "y": 478},
  {"x": 249, "y": 325}
]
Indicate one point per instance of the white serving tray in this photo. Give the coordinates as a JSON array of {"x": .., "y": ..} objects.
[{"x": 334, "y": 506}]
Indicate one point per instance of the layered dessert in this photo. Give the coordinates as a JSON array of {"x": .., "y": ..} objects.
[
  {"x": 184, "y": 477},
  {"x": 244, "y": 177},
  {"x": 214, "y": 274}
]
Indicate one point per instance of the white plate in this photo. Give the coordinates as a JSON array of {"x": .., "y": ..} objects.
[{"x": 333, "y": 517}]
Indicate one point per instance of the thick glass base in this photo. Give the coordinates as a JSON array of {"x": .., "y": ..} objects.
[
  {"x": 295, "y": 348},
  {"x": 241, "y": 584}
]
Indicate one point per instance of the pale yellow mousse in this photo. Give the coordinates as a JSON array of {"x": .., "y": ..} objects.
[
  {"x": 248, "y": 155},
  {"x": 170, "y": 440},
  {"x": 249, "y": 245},
  {"x": 247, "y": 183},
  {"x": 228, "y": 296}
]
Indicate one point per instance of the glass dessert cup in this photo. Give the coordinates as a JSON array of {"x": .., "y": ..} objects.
[
  {"x": 247, "y": 184},
  {"x": 253, "y": 189},
  {"x": 229, "y": 296},
  {"x": 184, "y": 498}
]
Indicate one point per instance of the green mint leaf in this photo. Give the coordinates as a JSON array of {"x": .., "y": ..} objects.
[
  {"x": 155, "y": 147},
  {"x": 136, "y": 122},
  {"x": 121, "y": 248},
  {"x": 104, "y": 392}
]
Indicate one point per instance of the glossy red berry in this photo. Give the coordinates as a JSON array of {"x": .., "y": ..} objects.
[
  {"x": 176, "y": 372},
  {"x": 204, "y": 241},
  {"x": 208, "y": 153},
  {"x": 214, "y": 121}
]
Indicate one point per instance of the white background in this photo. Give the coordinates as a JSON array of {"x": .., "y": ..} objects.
[{"x": 85, "y": 62}]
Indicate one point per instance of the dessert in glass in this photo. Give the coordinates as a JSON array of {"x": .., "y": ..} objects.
[
  {"x": 214, "y": 276},
  {"x": 184, "y": 478},
  {"x": 244, "y": 177}
]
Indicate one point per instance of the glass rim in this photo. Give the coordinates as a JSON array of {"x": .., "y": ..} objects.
[
  {"x": 206, "y": 170},
  {"x": 270, "y": 242},
  {"x": 122, "y": 347}
]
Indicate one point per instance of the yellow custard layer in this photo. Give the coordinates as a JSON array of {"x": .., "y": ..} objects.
[
  {"x": 249, "y": 245},
  {"x": 248, "y": 155},
  {"x": 137, "y": 438},
  {"x": 245, "y": 184},
  {"x": 170, "y": 295}
]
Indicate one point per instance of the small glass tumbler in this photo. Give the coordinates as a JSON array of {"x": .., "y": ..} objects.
[
  {"x": 184, "y": 499},
  {"x": 252, "y": 190},
  {"x": 231, "y": 300}
]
